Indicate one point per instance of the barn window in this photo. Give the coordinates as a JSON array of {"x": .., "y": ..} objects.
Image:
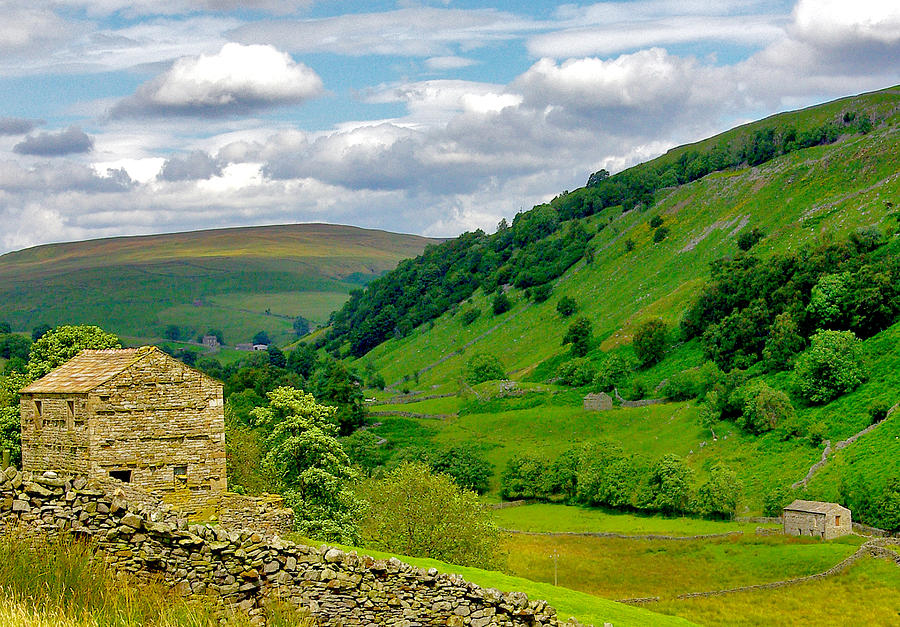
[
  {"x": 38, "y": 415},
  {"x": 179, "y": 475},
  {"x": 122, "y": 475}
]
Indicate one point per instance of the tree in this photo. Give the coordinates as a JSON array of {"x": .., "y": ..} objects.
[
  {"x": 827, "y": 301},
  {"x": 12, "y": 346},
  {"x": 217, "y": 333},
  {"x": 10, "y": 434},
  {"x": 888, "y": 506},
  {"x": 469, "y": 316},
  {"x": 579, "y": 335},
  {"x": 58, "y": 346},
  {"x": 301, "y": 326},
  {"x": 650, "y": 342},
  {"x": 501, "y": 303},
  {"x": 483, "y": 367},
  {"x": 465, "y": 464},
  {"x": 415, "y": 511},
  {"x": 783, "y": 344},
  {"x": 566, "y": 306},
  {"x": 831, "y": 366},
  {"x": 719, "y": 495},
  {"x": 172, "y": 332},
  {"x": 262, "y": 337},
  {"x": 276, "y": 356},
  {"x": 524, "y": 478},
  {"x": 764, "y": 408},
  {"x": 660, "y": 234},
  {"x": 613, "y": 372},
  {"x": 39, "y": 331},
  {"x": 311, "y": 467},
  {"x": 337, "y": 385},
  {"x": 670, "y": 485},
  {"x": 5, "y": 328},
  {"x": 749, "y": 238},
  {"x": 302, "y": 360},
  {"x": 365, "y": 450}
]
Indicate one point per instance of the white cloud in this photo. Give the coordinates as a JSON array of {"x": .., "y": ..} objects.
[
  {"x": 834, "y": 22},
  {"x": 238, "y": 79},
  {"x": 448, "y": 63}
]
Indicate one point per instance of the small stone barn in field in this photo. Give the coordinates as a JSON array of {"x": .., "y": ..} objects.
[
  {"x": 136, "y": 415},
  {"x": 817, "y": 519}
]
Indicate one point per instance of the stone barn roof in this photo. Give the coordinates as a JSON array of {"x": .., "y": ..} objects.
[
  {"x": 814, "y": 507},
  {"x": 87, "y": 370}
]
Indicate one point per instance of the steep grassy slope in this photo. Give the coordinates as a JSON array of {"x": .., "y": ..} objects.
[
  {"x": 802, "y": 197},
  {"x": 237, "y": 280}
]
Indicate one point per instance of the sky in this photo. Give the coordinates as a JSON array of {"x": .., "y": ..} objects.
[{"x": 431, "y": 117}]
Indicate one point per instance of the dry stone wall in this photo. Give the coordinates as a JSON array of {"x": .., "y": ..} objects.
[{"x": 242, "y": 570}]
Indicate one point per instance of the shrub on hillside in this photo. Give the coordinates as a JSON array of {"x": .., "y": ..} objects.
[
  {"x": 469, "y": 316},
  {"x": 656, "y": 222},
  {"x": 575, "y": 372},
  {"x": 606, "y": 476},
  {"x": 670, "y": 485},
  {"x": 483, "y": 367},
  {"x": 775, "y": 501},
  {"x": 566, "y": 306},
  {"x": 650, "y": 342},
  {"x": 764, "y": 408},
  {"x": 783, "y": 343},
  {"x": 718, "y": 496},
  {"x": 683, "y": 385},
  {"x": 417, "y": 512},
  {"x": 831, "y": 366},
  {"x": 579, "y": 335},
  {"x": 878, "y": 410},
  {"x": 501, "y": 303},
  {"x": 613, "y": 372},
  {"x": 749, "y": 238},
  {"x": 660, "y": 234}
]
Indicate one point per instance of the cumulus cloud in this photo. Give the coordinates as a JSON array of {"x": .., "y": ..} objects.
[
  {"x": 198, "y": 165},
  {"x": 238, "y": 79},
  {"x": 448, "y": 63},
  {"x": 29, "y": 27},
  {"x": 61, "y": 176},
  {"x": 17, "y": 126},
  {"x": 70, "y": 141}
]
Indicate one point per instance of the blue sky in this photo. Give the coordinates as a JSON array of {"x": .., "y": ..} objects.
[{"x": 120, "y": 117}]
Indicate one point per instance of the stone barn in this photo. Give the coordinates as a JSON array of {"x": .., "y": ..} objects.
[
  {"x": 136, "y": 415},
  {"x": 598, "y": 402},
  {"x": 817, "y": 519}
]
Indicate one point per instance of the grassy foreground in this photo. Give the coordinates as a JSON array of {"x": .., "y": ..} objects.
[{"x": 63, "y": 583}]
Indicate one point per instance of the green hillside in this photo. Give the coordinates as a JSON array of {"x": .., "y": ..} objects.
[
  {"x": 801, "y": 196},
  {"x": 239, "y": 280}
]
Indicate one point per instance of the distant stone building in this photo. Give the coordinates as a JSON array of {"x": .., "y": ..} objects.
[
  {"x": 598, "y": 402},
  {"x": 210, "y": 341},
  {"x": 243, "y": 347},
  {"x": 136, "y": 415},
  {"x": 817, "y": 519}
]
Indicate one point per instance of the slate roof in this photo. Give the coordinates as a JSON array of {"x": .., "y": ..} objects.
[
  {"x": 815, "y": 507},
  {"x": 87, "y": 370}
]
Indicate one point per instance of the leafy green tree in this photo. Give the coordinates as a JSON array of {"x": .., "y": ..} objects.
[
  {"x": 276, "y": 356},
  {"x": 39, "y": 331},
  {"x": 718, "y": 496},
  {"x": 775, "y": 501},
  {"x": 13, "y": 346},
  {"x": 465, "y": 464},
  {"x": 301, "y": 326},
  {"x": 524, "y": 477},
  {"x": 302, "y": 360},
  {"x": 827, "y": 300},
  {"x": 566, "y": 306},
  {"x": 576, "y": 372},
  {"x": 579, "y": 335},
  {"x": 172, "y": 332},
  {"x": 749, "y": 238},
  {"x": 311, "y": 467},
  {"x": 262, "y": 337},
  {"x": 61, "y": 344},
  {"x": 483, "y": 367},
  {"x": 831, "y": 366},
  {"x": 469, "y": 316},
  {"x": 650, "y": 341},
  {"x": 888, "y": 506},
  {"x": 5, "y": 328},
  {"x": 10, "y": 434},
  {"x": 365, "y": 450},
  {"x": 783, "y": 344},
  {"x": 339, "y": 386},
  {"x": 501, "y": 303},
  {"x": 415, "y": 511},
  {"x": 660, "y": 234},
  {"x": 670, "y": 484},
  {"x": 542, "y": 292},
  {"x": 764, "y": 408},
  {"x": 656, "y": 222},
  {"x": 613, "y": 372}
]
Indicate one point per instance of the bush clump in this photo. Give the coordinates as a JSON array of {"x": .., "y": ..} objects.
[
  {"x": 830, "y": 367},
  {"x": 483, "y": 367}
]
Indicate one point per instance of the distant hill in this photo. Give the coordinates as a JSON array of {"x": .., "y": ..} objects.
[
  {"x": 237, "y": 280},
  {"x": 628, "y": 248}
]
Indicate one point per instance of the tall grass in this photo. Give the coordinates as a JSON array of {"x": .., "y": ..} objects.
[{"x": 63, "y": 582}]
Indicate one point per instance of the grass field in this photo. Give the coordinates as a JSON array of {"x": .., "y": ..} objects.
[
  {"x": 586, "y": 608},
  {"x": 545, "y": 517},
  {"x": 867, "y": 594}
]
